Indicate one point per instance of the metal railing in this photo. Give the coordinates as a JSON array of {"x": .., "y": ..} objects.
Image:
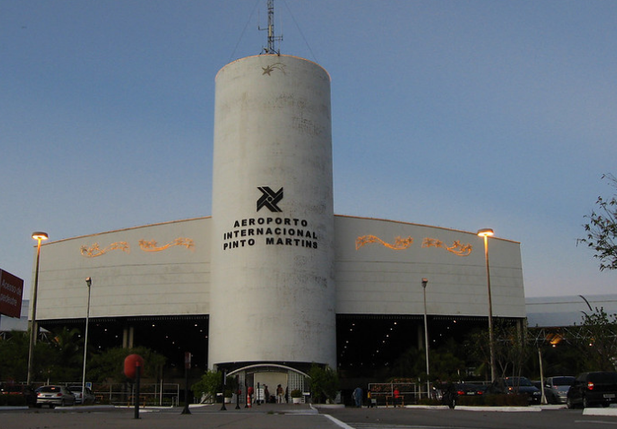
[
  {"x": 383, "y": 393},
  {"x": 409, "y": 393},
  {"x": 150, "y": 394},
  {"x": 161, "y": 394}
]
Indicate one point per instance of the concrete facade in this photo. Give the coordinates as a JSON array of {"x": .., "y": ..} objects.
[
  {"x": 154, "y": 270},
  {"x": 164, "y": 269},
  {"x": 272, "y": 218},
  {"x": 385, "y": 278}
]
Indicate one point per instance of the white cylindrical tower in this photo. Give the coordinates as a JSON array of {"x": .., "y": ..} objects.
[{"x": 272, "y": 272}]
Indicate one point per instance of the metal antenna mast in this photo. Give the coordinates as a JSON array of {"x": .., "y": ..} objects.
[{"x": 271, "y": 49}]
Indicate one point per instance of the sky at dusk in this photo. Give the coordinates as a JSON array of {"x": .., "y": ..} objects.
[{"x": 458, "y": 114}]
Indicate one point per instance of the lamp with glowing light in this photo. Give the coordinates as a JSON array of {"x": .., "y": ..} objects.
[
  {"x": 486, "y": 233},
  {"x": 38, "y": 236}
]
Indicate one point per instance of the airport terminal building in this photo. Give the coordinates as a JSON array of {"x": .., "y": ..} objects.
[{"x": 274, "y": 281}]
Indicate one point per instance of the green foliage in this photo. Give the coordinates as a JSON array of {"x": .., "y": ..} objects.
[
  {"x": 14, "y": 356},
  {"x": 597, "y": 341},
  {"x": 60, "y": 358},
  {"x": 602, "y": 229},
  {"x": 409, "y": 364},
  {"x": 445, "y": 365},
  {"x": 324, "y": 383},
  {"x": 589, "y": 346},
  {"x": 561, "y": 359},
  {"x": 12, "y": 401},
  {"x": 57, "y": 358},
  {"x": 209, "y": 384},
  {"x": 477, "y": 348},
  {"x": 63, "y": 359},
  {"x": 108, "y": 366},
  {"x": 511, "y": 349},
  {"x": 296, "y": 393}
]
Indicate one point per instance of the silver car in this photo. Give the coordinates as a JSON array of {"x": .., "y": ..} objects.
[
  {"x": 556, "y": 388},
  {"x": 87, "y": 398},
  {"x": 54, "y": 395}
]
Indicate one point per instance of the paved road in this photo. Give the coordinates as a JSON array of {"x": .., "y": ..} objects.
[
  {"x": 263, "y": 417},
  {"x": 275, "y": 416},
  {"x": 461, "y": 418}
]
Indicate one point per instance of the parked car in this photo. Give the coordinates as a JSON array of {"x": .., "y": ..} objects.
[
  {"x": 20, "y": 389},
  {"x": 88, "y": 398},
  {"x": 54, "y": 395},
  {"x": 516, "y": 385},
  {"x": 593, "y": 388},
  {"x": 556, "y": 388},
  {"x": 466, "y": 389}
]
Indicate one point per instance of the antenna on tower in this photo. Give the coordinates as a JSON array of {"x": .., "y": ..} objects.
[{"x": 271, "y": 48}]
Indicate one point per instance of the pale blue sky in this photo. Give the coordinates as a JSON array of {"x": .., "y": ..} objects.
[{"x": 461, "y": 114}]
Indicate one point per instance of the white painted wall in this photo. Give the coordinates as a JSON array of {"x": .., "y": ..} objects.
[
  {"x": 174, "y": 281},
  {"x": 375, "y": 279},
  {"x": 370, "y": 280},
  {"x": 272, "y": 302}
]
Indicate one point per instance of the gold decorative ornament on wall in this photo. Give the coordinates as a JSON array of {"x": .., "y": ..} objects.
[
  {"x": 94, "y": 250},
  {"x": 145, "y": 245},
  {"x": 151, "y": 246},
  {"x": 399, "y": 242},
  {"x": 457, "y": 248}
]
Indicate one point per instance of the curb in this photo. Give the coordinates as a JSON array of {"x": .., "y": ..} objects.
[
  {"x": 600, "y": 411},
  {"x": 501, "y": 409},
  {"x": 9, "y": 408}
]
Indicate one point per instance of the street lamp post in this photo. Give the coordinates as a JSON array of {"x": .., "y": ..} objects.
[
  {"x": 486, "y": 233},
  {"x": 83, "y": 374},
  {"x": 424, "y": 283},
  {"x": 39, "y": 236}
]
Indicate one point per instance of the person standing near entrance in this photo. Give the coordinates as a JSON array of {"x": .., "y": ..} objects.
[
  {"x": 357, "y": 397},
  {"x": 279, "y": 394},
  {"x": 370, "y": 399}
]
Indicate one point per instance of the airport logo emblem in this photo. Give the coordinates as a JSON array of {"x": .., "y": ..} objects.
[
  {"x": 269, "y": 199},
  {"x": 270, "y": 230}
]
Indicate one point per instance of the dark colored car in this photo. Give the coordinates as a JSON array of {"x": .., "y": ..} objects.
[
  {"x": 54, "y": 395},
  {"x": 593, "y": 388},
  {"x": 556, "y": 388},
  {"x": 516, "y": 385},
  {"x": 20, "y": 389},
  {"x": 465, "y": 389}
]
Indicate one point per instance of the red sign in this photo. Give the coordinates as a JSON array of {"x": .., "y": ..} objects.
[{"x": 11, "y": 290}]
